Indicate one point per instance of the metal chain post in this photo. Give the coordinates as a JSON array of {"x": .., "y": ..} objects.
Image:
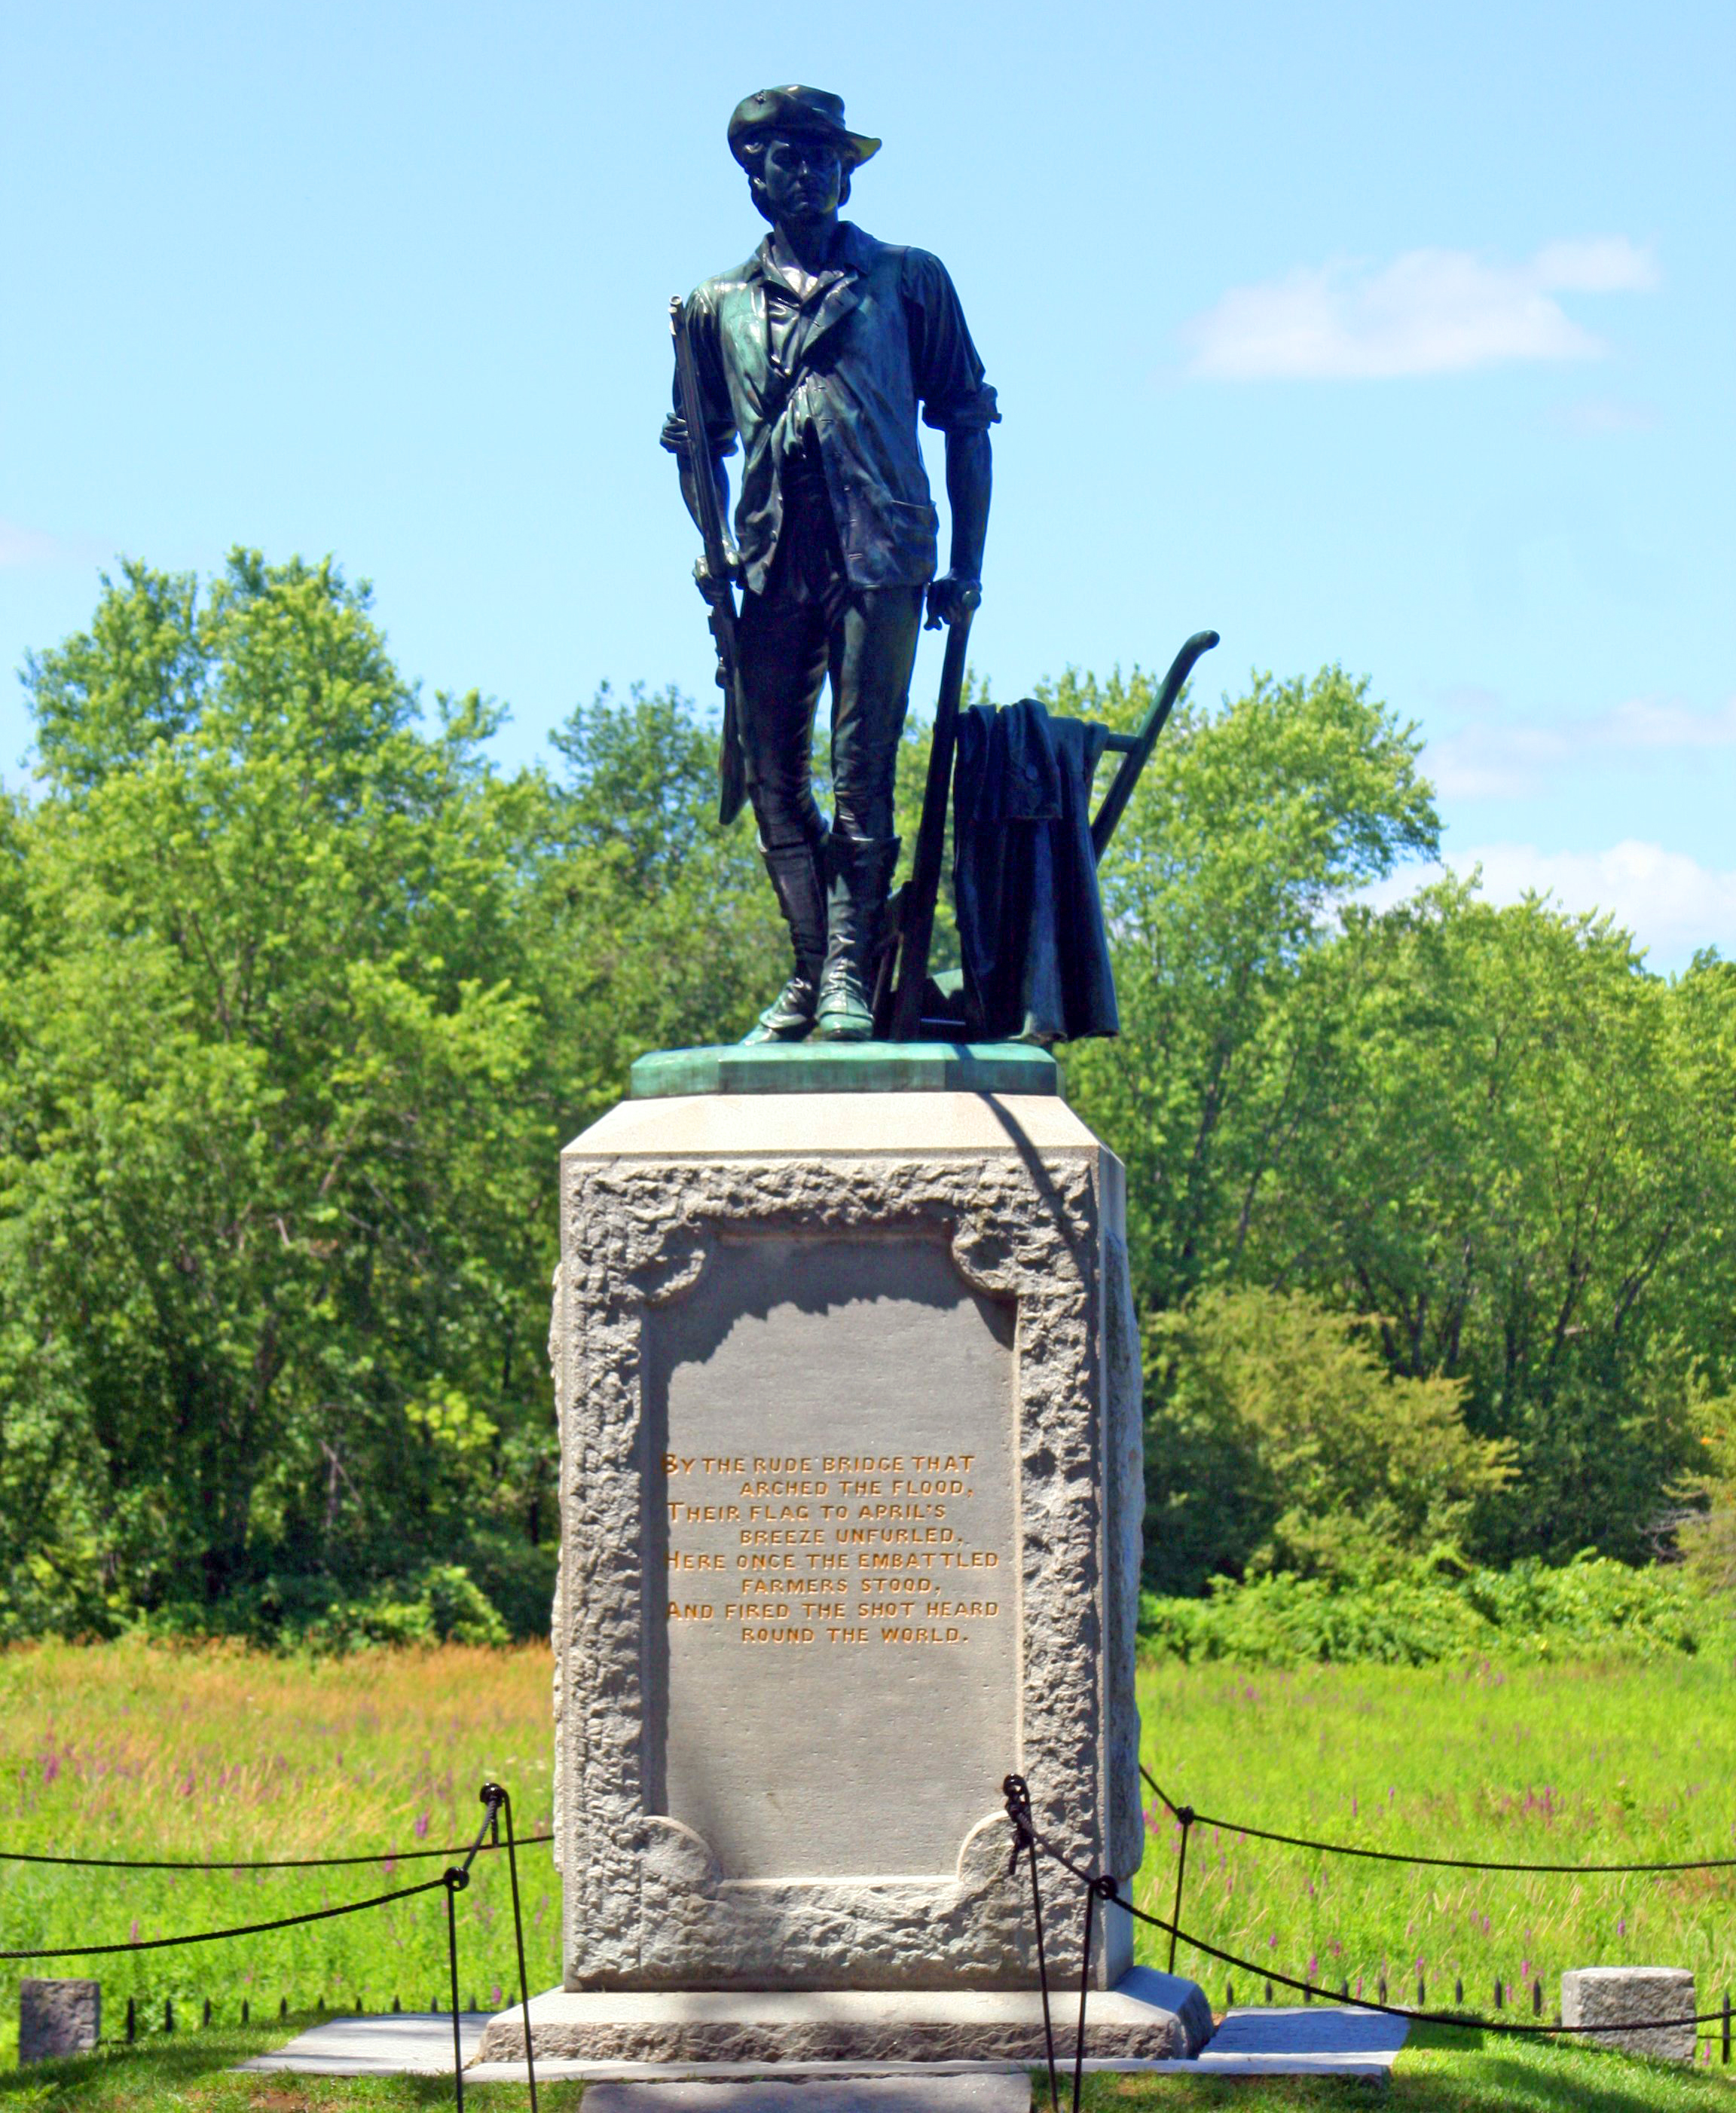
[
  {"x": 455, "y": 1882},
  {"x": 1186, "y": 1815},
  {"x": 1099, "y": 1888},
  {"x": 494, "y": 1793},
  {"x": 1024, "y": 1837}
]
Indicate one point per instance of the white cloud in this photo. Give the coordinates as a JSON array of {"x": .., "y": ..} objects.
[
  {"x": 1496, "y": 761},
  {"x": 1428, "y": 312},
  {"x": 1671, "y": 903}
]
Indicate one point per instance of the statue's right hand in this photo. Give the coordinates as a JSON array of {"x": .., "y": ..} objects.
[{"x": 714, "y": 590}]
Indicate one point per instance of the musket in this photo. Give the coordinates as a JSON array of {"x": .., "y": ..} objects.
[
  {"x": 919, "y": 896},
  {"x": 720, "y": 595}
]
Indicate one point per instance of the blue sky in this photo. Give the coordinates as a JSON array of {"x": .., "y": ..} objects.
[{"x": 1398, "y": 337}]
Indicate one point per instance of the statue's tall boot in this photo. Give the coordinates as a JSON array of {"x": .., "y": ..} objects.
[
  {"x": 798, "y": 880},
  {"x": 862, "y": 871}
]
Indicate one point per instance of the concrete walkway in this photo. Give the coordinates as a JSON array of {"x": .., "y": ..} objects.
[
  {"x": 397, "y": 2043},
  {"x": 1314, "y": 2039},
  {"x": 1317, "y": 2039}
]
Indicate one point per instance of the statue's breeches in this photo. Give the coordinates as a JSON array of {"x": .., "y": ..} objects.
[{"x": 865, "y": 639}]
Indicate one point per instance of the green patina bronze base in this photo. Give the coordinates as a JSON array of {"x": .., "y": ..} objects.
[{"x": 847, "y": 1067}]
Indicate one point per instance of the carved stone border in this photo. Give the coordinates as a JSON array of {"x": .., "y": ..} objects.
[{"x": 645, "y": 1906}]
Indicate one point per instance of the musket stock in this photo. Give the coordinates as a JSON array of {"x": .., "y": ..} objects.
[{"x": 720, "y": 596}]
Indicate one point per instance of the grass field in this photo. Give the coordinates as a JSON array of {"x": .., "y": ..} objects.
[
  {"x": 128, "y": 1752},
  {"x": 125, "y": 1751},
  {"x": 1562, "y": 1763}
]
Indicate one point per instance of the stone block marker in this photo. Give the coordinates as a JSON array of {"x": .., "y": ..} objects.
[
  {"x": 57, "y": 2018},
  {"x": 1619, "y": 1998}
]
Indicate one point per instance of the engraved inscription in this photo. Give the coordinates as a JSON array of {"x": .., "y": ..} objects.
[
  {"x": 817, "y": 1558},
  {"x": 833, "y": 1549}
]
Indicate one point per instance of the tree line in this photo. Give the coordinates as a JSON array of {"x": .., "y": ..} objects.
[{"x": 1431, "y": 1207}]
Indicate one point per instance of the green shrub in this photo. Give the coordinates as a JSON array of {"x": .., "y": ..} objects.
[
  {"x": 445, "y": 1605},
  {"x": 441, "y": 1603},
  {"x": 1590, "y": 1608}
]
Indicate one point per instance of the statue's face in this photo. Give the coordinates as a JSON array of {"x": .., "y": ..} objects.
[{"x": 801, "y": 177}]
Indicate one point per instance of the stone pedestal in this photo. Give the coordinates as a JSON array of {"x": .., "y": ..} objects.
[{"x": 850, "y": 1400}]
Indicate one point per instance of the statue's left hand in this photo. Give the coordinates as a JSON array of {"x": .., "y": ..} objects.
[
  {"x": 714, "y": 590},
  {"x": 951, "y": 599}
]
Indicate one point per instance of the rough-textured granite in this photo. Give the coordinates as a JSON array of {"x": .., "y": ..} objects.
[
  {"x": 1028, "y": 1206},
  {"x": 1626, "y": 1996},
  {"x": 57, "y": 2018},
  {"x": 1150, "y": 2017}
]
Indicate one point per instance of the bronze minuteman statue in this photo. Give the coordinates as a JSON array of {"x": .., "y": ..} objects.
[{"x": 816, "y": 356}]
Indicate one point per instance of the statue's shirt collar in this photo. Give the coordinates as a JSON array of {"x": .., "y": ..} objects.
[
  {"x": 792, "y": 325},
  {"x": 852, "y": 253}
]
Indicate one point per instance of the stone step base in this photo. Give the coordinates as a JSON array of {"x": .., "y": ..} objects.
[{"x": 1146, "y": 2016}]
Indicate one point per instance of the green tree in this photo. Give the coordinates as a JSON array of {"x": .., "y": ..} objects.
[
  {"x": 1251, "y": 823},
  {"x": 1507, "y": 1162},
  {"x": 659, "y": 928},
  {"x": 302, "y": 998},
  {"x": 267, "y": 1146},
  {"x": 1278, "y": 1441}
]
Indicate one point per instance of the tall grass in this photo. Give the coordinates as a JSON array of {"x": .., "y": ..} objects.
[
  {"x": 129, "y": 1750},
  {"x": 1606, "y": 1763}
]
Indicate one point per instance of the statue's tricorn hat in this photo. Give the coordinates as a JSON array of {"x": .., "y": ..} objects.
[{"x": 787, "y": 110}]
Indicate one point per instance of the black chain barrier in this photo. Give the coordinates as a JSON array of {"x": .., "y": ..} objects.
[
  {"x": 1454, "y": 2018},
  {"x": 241, "y": 1929},
  {"x": 1189, "y": 1818},
  {"x": 454, "y": 1880},
  {"x": 1100, "y": 1886},
  {"x": 245, "y": 1863},
  {"x": 1027, "y": 1841}
]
